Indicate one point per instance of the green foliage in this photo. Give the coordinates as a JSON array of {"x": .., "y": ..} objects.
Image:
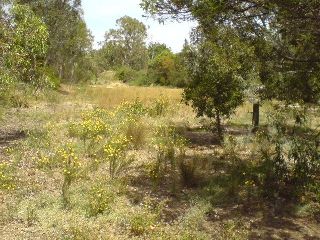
[
  {"x": 29, "y": 46},
  {"x": 24, "y": 45},
  {"x": 126, "y": 74},
  {"x": 125, "y": 46},
  {"x": 166, "y": 69},
  {"x": 289, "y": 164},
  {"x": 69, "y": 38},
  {"x": 218, "y": 80},
  {"x": 100, "y": 199},
  {"x": 155, "y": 49},
  {"x": 285, "y": 40}
]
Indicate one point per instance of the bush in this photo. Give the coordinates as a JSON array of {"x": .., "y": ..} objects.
[
  {"x": 288, "y": 163},
  {"x": 71, "y": 168},
  {"x": 92, "y": 127},
  {"x": 159, "y": 107},
  {"x": 115, "y": 153},
  {"x": 100, "y": 199},
  {"x": 188, "y": 172},
  {"x": 126, "y": 74}
]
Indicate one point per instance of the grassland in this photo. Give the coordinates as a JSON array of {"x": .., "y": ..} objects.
[{"x": 170, "y": 181}]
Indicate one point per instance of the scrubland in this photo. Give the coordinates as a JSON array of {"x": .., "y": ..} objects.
[{"x": 122, "y": 162}]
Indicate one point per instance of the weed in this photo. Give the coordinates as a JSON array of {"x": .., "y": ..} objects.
[
  {"x": 159, "y": 107},
  {"x": 170, "y": 148},
  {"x": 100, "y": 199},
  {"x": 7, "y": 177}
]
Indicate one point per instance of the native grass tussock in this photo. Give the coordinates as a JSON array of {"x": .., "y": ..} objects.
[{"x": 98, "y": 162}]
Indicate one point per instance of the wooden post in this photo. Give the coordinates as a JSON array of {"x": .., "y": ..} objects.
[{"x": 255, "y": 116}]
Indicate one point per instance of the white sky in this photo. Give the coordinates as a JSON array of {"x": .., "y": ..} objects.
[{"x": 101, "y": 15}]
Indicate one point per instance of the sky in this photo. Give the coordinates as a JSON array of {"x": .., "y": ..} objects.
[{"x": 101, "y": 15}]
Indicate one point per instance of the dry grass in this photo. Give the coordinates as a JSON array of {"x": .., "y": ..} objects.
[
  {"x": 138, "y": 210},
  {"x": 112, "y": 95}
]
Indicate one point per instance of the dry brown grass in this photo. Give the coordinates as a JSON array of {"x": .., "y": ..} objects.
[{"x": 112, "y": 95}]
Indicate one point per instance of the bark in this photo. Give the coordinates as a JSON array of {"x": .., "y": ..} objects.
[{"x": 219, "y": 129}]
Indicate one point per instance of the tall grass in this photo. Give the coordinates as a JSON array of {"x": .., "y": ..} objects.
[{"x": 107, "y": 97}]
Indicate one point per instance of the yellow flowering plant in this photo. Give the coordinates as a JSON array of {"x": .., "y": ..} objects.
[
  {"x": 100, "y": 199},
  {"x": 115, "y": 153},
  {"x": 71, "y": 167},
  {"x": 159, "y": 107},
  {"x": 7, "y": 178},
  {"x": 93, "y": 128}
]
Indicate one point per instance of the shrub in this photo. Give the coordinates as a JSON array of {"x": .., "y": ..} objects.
[
  {"x": 115, "y": 154},
  {"x": 142, "y": 222},
  {"x": 126, "y": 74},
  {"x": 288, "y": 163},
  {"x": 188, "y": 172},
  {"x": 100, "y": 199},
  {"x": 92, "y": 127},
  {"x": 71, "y": 167}
]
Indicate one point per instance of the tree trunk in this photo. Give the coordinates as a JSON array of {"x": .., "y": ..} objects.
[
  {"x": 219, "y": 127},
  {"x": 255, "y": 116}
]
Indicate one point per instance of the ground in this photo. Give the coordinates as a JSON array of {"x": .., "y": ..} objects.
[{"x": 135, "y": 206}]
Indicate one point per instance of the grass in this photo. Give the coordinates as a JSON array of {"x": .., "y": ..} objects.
[{"x": 141, "y": 202}]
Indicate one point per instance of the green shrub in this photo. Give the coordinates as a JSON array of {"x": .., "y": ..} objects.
[
  {"x": 142, "y": 222},
  {"x": 288, "y": 162},
  {"x": 100, "y": 199},
  {"x": 126, "y": 74}
]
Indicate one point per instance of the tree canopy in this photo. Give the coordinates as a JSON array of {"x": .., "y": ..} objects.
[
  {"x": 284, "y": 34},
  {"x": 126, "y": 44}
]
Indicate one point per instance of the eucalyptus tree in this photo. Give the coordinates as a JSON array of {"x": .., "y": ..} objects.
[
  {"x": 69, "y": 38},
  {"x": 24, "y": 45},
  {"x": 126, "y": 45}
]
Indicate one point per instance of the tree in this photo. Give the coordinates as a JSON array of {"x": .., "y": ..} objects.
[
  {"x": 125, "y": 46},
  {"x": 166, "y": 68},
  {"x": 154, "y": 49},
  {"x": 69, "y": 39},
  {"x": 162, "y": 68},
  {"x": 285, "y": 35},
  {"x": 218, "y": 78},
  {"x": 24, "y": 39}
]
